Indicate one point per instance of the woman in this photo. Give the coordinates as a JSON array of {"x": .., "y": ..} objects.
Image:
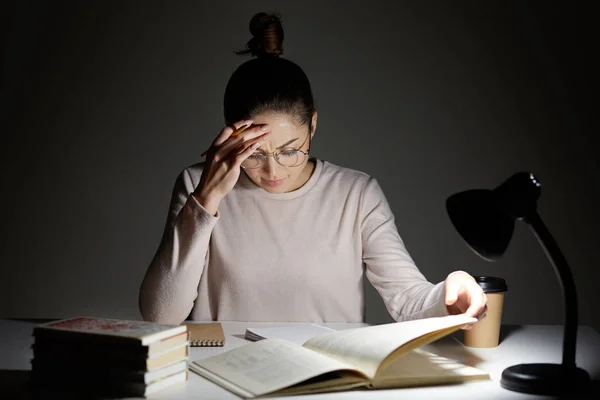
[{"x": 262, "y": 231}]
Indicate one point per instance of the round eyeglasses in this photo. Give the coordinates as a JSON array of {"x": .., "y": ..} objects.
[{"x": 284, "y": 157}]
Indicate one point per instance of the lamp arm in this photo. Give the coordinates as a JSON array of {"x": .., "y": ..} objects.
[{"x": 567, "y": 284}]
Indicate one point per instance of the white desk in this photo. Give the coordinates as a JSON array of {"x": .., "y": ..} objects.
[{"x": 519, "y": 344}]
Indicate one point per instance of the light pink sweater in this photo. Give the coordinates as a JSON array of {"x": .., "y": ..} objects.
[{"x": 297, "y": 256}]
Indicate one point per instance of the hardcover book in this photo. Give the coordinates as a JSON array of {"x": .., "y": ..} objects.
[{"x": 107, "y": 329}]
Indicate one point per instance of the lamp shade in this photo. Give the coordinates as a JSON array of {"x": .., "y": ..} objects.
[
  {"x": 485, "y": 219},
  {"x": 481, "y": 223}
]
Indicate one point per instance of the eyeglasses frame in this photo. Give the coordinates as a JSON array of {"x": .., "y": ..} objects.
[{"x": 267, "y": 155}]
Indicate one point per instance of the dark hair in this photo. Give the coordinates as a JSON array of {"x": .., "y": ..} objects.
[{"x": 268, "y": 82}]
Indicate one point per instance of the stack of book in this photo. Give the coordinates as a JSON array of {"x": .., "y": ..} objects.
[{"x": 109, "y": 356}]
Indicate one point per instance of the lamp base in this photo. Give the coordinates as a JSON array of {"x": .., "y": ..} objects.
[{"x": 545, "y": 379}]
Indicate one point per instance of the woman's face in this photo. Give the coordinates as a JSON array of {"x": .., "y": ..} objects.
[{"x": 287, "y": 135}]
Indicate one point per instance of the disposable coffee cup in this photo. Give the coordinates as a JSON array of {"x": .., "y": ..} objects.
[{"x": 486, "y": 333}]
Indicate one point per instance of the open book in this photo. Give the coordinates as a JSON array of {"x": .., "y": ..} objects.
[{"x": 372, "y": 357}]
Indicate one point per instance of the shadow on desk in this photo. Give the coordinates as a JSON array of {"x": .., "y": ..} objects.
[
  {"x": 592, "y": 394},
  {"x": 446, "y": 346},
  {"x": 505, "y": 332},
  {"x": 596, "y": 389},
  {"x": 17, "y": 385},
  {"x": 508, "y": 330}
]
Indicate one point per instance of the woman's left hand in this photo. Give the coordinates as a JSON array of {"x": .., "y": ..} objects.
[{"x": 465, "y": 296}]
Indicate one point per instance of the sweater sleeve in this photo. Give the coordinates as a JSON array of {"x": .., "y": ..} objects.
[
  {"x": 406, "y": 293},
  {"x": 170, "y": 285}
]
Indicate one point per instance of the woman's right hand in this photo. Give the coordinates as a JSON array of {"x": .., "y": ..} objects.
[{"x": 223, "y": 160}]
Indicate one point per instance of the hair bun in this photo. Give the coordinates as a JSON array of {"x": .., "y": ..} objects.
[{"x": 267, "y": 35}]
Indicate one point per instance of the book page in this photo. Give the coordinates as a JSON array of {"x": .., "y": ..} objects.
[
  {"x": 367, "y": 347},
  {"x": 419, "y": 368},
  {"x": 298, "y": 334},
  {"x": 266, "y": 366}
]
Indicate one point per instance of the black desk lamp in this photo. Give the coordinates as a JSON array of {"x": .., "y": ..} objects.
[{"x": 485, "y": 219}]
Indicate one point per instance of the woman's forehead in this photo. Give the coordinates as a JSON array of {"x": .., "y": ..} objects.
[{"x": 283, "y": 128}]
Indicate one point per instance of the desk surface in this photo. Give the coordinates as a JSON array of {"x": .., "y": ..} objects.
[{"x": 519, "y": 344}]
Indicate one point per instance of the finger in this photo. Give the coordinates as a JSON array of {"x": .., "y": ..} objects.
[
  {"x": 247, "y": 152},
  {"x": 243, "y": 139},
  {"x": 479, "y": 318},
  {"x": 483, "y": 313},
  {"x": 477, "y": 305},
  {"x": 484, "y": 307},
  {"x": 451, "y": 293},
  {"x": 249, "y": 132},
  {"x": 239, "y": 130},
  {"x": 474, "y": 309},
  {"x": 239, "y": 127},
  {"x": 227, "y": 131}
]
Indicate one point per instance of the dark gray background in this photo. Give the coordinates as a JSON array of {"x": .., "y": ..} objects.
[{"x": 105, "y": 102}]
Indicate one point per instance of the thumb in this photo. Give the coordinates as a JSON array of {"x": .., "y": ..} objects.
[{"x": 451, "y": 293}]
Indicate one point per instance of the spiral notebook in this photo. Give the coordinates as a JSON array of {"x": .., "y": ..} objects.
[{"x": 207, "y": 334}]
